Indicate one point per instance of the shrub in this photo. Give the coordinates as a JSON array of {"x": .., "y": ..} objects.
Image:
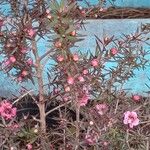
[{"x": 88, "y": 98}]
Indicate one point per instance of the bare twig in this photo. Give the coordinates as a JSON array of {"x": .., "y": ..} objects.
[
  {"x": 57, "y": 108},
  {"x": 22, "y": 96}
]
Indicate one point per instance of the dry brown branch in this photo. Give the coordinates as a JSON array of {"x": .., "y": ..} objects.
[{"x": 119, "y": 13}]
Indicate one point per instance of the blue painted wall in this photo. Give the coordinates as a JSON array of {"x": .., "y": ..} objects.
[
  {"x": 117, "y": 27},
  {"x": 120, "y": 3},
  {"x": 100, "y": 28}
]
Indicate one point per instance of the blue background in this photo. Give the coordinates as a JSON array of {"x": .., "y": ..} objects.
[{"x": 100, "y": 28}]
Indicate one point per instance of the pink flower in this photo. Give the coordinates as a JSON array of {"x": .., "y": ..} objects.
[
  {"x": 47, "y": 11},
  {"x": 65, "y": 98},
  {"x": 29, "y": 146},
  {"x": 136, "y": 98},
  {"x": 67, "y": 89},
  {"x": 24, "y": 50},
  {"x": 12, "y": 59},
  {"x": 84, "y": 100},
  {"x": 60, "y": 58},
  {"x": 31, "y": 32},
  {"x": 103, "y": 9},
  {"x": 91, "y": 123},
  {"x": 89, "y": 139},
  {"x": 70, "y": 80},
  {"x": 56, "y": 90},
  {"x": 101, "y": 108},
  {"x": 14, "y": 127},
  {"x": 75, "y": 57},
  {"x": 131, "y": 118},
  {"x": 73, "y": 33},
  {"x": 78, "y": 25},
  {"x": 7, "y": 62},
  {"x": 19, "y": 79},
  {"x": 114, "y": 51},
  {"x": 81, "y": 79},
  {"x": 83, "y": 12},
  {"x": 58, "y": 44},
  {"x": 24, "y": 73},
  {"x": 105, "y": 143},
  {"x": 8, "y": 45},
  {"x": 85, "y": 71},
  {"x": 48, "y": 14},
  {"x": 30, "y": 61},
  {"x": 86, "y": 89},
  {"x": 7, "y": 110},
  {"x": 94, "y": 62}
]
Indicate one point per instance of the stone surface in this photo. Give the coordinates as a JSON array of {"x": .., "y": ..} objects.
[{"x": 99, "y": 28}]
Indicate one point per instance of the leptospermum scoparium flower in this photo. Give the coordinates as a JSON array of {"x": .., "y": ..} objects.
[
  {"x": 30, "y": 61},
  {"x": 29, "y": 147},
  {"x": 114, "y": 51},
  {"x": 75, "y": 57},
  {"x": 24, "y": 50},
  {"x": 73, "y": 33},
  {"x": 84, "y": 100},
  {"x": 24, "y": 73},
  {"x": 94, "y": 62},
  {"x": 101, "y": 108},
  {"x": 91, "y": 137},
  {"x": 31, "y": 32},
  {"x": 6, "y": 63},
  {"x": 48, "y": 14},
  {"x": 81, "y": 79},
  {"x": 12, "y": 59},
  {"x": 58, "y": 44},
  {"x": 131, "y": 119},
  {"x": 7, "y": 111},
  {"x": 60, "y": 58},
  {"x": 136, "y": 98},
  {"x": 85, "y": 71},
  {"x": 67, "y": 89},
  {"x": 70, "y": 80}
]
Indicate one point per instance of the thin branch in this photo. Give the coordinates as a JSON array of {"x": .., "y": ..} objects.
[
  {"x": 46, "y": 54},
  {"x": 22, "y": 97},
  {"x": 57, "y": 108}
]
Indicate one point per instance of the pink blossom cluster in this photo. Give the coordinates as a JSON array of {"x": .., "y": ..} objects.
[
  {"x": 7, "y": 111},
  {"x": 91, "y": 137},
  {"x": 29, "y": 146},
  {"x": 10, "y": 61},
  {"x": 14, "y": 127},
  {"x": 101, "y": 108},
  {"x": 84, "y": 100},
  {"x": 48, "y": 14},
  {"x": 131, "y": 118},
  {"x": 30, "y": 32},
  {"x": 136, "y": 97},
  {"x": 113, "y": 51}
]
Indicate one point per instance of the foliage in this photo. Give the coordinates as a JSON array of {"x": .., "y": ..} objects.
[{"x": 84, "y": 97}]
